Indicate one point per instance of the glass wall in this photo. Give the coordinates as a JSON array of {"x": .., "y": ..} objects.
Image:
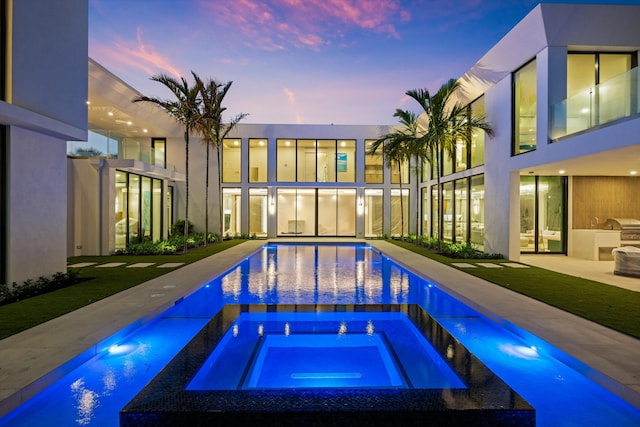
[
  {"x": 478, "y": 136},
  {"x": 156, "y": 211},
  {"x": 425, "y": 212},
  {"x": 397, "y": 173},
  {"x": 399, "y": 212},
  {"x": 310, "y": 160},
  {"x": 461, "y": 218},
  {"x": 435, "y": 222},
  {"x": 258, "y": 210},
  {"x": 3, "y": 55},
  {"x": 461, "y": 156},
  {"x": 373, "y": 165},
  {"x": 447, "y": 211},
  {"x": 296, "y": 212},
  {"x": 595, "y": 94},
  {"x": 169, "y": 202},
  {"x": 286, "y": 160},
  {"x": 258, "y": 160},
  {"x": 524, "y": 109},
  {"x": 373, "y": 212},
  {"x": 231, "y": 160},
  {"x": 133, "y": 193},
  {"x": 543, "y": 214},
  {"x": 159, "y": 146},
  {"x": 336, "y": 212},
  {"x": 346, "y": 161},
  {"x": 231, "y": 211},
  {"x": 477, "y": 211},
  {"x": 138, "y": 209}
]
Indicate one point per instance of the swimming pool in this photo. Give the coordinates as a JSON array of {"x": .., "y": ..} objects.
[{"x": 94, "y": 393}]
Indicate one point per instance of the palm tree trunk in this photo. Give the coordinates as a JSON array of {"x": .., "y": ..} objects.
[
  {"x": 206, "y": 200},
  {"x": 401, "y": 203},
  {"x": 418, "y": 177},
  {"x": 186, "y": 209},
  {"x": 440, "y": 199}
]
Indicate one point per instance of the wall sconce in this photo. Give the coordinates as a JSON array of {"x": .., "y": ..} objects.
[
  {"x": 272, "y": 205},
  {"x": 360, "y": 206}
]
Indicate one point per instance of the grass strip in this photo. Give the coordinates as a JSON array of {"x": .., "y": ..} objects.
[
  {"x": 607, "y": 305},
  {"x": 96, "y": 284}
]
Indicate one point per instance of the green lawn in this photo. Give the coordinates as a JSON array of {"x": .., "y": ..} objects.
[
  {"x": 98, "y": 283},
  {"x": 607, "y": 305}
]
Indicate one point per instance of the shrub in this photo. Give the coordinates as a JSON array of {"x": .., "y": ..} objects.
[
  {"x": 33, "y": 287},
  {"x": 452, "y": 250},
  {"x": 177, "y": 229}
]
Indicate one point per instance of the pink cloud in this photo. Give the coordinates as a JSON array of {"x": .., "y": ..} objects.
[
  {"x": 139, "y": 56},
  {"x": 276, "y": 24}
]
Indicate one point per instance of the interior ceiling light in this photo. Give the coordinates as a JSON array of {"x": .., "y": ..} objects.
[
  {"x": 110, "y": 113},
  {"x": 561, "y": 171},
  {"x": 633, "y": 172}
]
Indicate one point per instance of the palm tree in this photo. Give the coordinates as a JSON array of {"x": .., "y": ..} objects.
[
  {"x": 213, "y": 132},
  {"x": 397, "y": 148},
  {"x": 185, "y": 109},
  {"x": 448, "y": 121}
]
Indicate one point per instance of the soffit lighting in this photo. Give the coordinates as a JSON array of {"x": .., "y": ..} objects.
[
  {"x": 561, "y": 171},
  {"x": 633, "y": 173}
]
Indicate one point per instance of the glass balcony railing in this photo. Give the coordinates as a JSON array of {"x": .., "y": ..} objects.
[
  {"x": 109, "y": 145},
  {"x": 614, "y": 99}
]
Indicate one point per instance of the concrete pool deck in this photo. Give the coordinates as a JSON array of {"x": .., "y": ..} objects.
[{"x": 35, "y": 358}]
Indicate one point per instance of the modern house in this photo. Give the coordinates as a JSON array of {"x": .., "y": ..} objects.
[{"x": 561, "y": 91}]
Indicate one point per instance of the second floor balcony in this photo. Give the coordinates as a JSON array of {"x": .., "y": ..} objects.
[
  {"x": 614, "y": 99},
  {"x": 106, "y": 144}
]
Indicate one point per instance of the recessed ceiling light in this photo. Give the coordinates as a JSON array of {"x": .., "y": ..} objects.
[
  {"x": 561, "y": 171},
  {"x": 110, "y": 113},
  {"x": 88, "y": 102},
  {"x": 144, "y": 130},
  {"x": 633, "y": 172}
]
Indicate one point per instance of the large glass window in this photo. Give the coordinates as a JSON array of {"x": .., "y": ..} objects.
[
  {"x": 231, "y": 211},
  {"x": 542, "y": 214},
  {"x": 595, "y": 92},
  {"x": 373, "y": 212},
  {"x": 400, "y": 172},
  {"x": 373, "y": 165},
  {"x": 435, "y": 214},
  {"x": 425, "y": 212},
  {"x": 296, "y": 211},
  {"x": 447, "y": 163},
  {"x": 525, "y": 107},
  {"x": 134, "y": 208},
  {"x": 258, "y": 210},
  {"x": 286, "y": 160},
  {"x": 138, "y": 209},
  {"x": 399, "y": 212},
  {"x": 156, "y": 210},
  {"x": 169, "y": 202},
  {"x": 461, "y": 156},
  {"x": 346, "y": 160},
  {"x": 306, "y": 161},
  {"x": 145, "y": 208},
  {"x": 336, "y": 212},
  {"x": 121, "y": 211},
  {"x": 159, "y": 146},
  {"x": 461, "y": 210},
  {"x": 258, "y": 160},
  {"x": 3, "y": 55},
  {"x": 478, "y": 136},
  {"x": 231, "y": 160},
  {"x": 447, "y": 211},
  {"x": 477, "y": 211},
  {"x": 310, "y": 160}
]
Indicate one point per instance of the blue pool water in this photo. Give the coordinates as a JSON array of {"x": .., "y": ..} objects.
[
  {"x": 323, "y": 350},
  {"x": 94, "y": 393}
]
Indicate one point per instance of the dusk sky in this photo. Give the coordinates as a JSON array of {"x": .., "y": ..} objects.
[{"x": 302, "y": 61}]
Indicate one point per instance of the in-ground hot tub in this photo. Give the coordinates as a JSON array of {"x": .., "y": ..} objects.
[{"x": 357, "y": 365}]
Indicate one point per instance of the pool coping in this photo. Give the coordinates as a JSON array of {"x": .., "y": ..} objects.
[{"x": 37, "y": 357}]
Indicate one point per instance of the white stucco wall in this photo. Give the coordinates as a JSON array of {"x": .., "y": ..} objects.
[{"x": 37, "y": 202}]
